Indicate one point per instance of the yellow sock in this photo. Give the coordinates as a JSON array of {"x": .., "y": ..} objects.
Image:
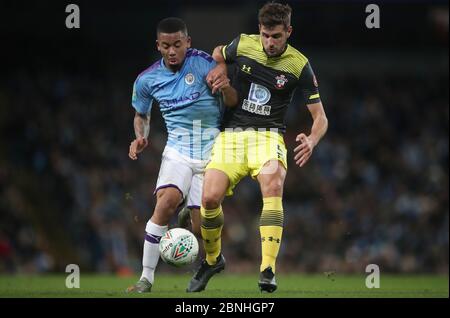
[
  {"x": 271, "y": 229},
  {"x": 212, "y": 223}
]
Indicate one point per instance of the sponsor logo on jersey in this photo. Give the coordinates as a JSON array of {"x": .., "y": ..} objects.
[
  {"x": 183, "y": 99},
  {"x": 259, "y": 94},
  {"x": 255, "y": 108},
  {"x": 258, "y": 97}
]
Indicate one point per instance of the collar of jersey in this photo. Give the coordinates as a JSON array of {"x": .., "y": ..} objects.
[{"x": 168, "y": 70}]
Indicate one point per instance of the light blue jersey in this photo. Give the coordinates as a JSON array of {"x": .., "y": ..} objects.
[{"x": 192, "y": 114}]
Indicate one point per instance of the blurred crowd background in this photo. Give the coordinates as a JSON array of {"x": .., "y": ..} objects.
[{"x": 376, "y": 189}]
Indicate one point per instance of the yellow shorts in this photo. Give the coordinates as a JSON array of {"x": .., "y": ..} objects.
[{"x": 239, "y": 154}]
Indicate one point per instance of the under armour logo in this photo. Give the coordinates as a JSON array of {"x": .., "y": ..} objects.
[
  {"x": 246, "y": 69},
  {"x": 271, "y": 239}
]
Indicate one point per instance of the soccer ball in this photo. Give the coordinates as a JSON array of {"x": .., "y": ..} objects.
[{"x": 178, "y": 247}]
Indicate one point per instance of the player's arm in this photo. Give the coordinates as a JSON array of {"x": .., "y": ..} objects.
[
  {"x": 319, "y": 127},
  {"x": 141, "y": 125},
  {"x": 141, "y": 130},
  {"x": 318, "y": 130},
  {"x": 229, "y": 94},
  {"x": 218, "y": 55},
  {"x": 222, "y": 54},
  {"x": 141, "y": 102},
  {"x": 320, "y": 122},
  {"x": 218, "y": 81},
  {"x": 219, "y": 71}
]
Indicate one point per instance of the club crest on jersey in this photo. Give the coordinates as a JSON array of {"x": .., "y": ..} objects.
[
  {"x": 189, "y": 79},
  {"x": 281, "y": 80}
]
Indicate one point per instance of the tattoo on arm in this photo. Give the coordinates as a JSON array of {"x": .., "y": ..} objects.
[{"x": 141, "y": 125}]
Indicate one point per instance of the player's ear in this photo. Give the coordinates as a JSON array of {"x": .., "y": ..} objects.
[
  {"x": 259, "y": 27},
  {"x": 188, "y": 41},
  {"x": 289, "y": 31},
  {"x": 157, "y": 45}
]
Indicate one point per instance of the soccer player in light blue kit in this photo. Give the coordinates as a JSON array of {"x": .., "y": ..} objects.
[{"x": 191, "y": 110}]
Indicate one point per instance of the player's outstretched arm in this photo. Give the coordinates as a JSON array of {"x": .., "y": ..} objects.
[
  {"x": 141, "y": 130},
  {"x": 307, "y": 143}
]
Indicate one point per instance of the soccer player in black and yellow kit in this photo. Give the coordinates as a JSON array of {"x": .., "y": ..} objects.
[{"x": 251, "y": 142}]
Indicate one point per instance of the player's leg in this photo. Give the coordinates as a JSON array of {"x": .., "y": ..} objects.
[
  {"x": 195, "y": 221},
  {"x": 189, "y": 216},
  {"x": 270, "y": 175},
  {"x": 172, "y": 185},
  {"x": 271, "y": 223},
  {"x": 184, "y": 217},
  {"x": 224, "y": 171},
  {"x": 194, "y": 199},
  {"x": 167, "y": 201},
  {"x": 215, "y": 186},
  {"x": 226, "y": 168}
]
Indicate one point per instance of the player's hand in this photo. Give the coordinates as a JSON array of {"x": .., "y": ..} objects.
[
  {"x": 304, "y": 150},
  {"x": 137, "y": 146},
  {"x": 219, "y": 71},
  {"x": 220, "y": 83}
]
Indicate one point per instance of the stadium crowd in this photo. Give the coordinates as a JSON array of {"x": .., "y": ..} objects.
[{"x": 375, "y": 190}]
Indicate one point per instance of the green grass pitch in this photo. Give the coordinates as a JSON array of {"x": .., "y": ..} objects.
[{"x": 229, "y": 285}]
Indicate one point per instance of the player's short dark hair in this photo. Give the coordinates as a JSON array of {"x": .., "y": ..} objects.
[
  {"x": 171, "y": 25},
  {"x": 273, "y": 14}
]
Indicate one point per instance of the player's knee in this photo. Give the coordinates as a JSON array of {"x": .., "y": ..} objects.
[
  {"x": 167, "y": 207},
  {"x": 273, "y": 188},
  {"x": 211, "y": 200},
  {"x": 167, "y": 203}
]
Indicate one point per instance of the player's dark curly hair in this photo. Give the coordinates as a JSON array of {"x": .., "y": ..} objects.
[
  {"x": 171, "y": 25},
  {"x": 273, "y": 14}
]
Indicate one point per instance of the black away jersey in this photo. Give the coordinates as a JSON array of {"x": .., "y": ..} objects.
[{"x": 266, "y": 84}]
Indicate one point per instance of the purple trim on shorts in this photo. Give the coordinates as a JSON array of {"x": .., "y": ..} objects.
[
  {"x": 180, "y": 206},
  {"x": 170, "y": 185},
  {"x": 152, "y": 238},
  {"x": 193, "y": 207}
]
